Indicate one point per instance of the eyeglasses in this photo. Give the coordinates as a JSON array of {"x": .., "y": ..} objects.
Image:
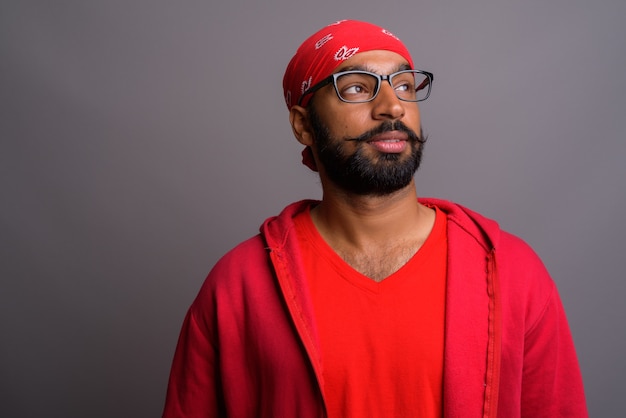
[{"x": 362, "y": 86}]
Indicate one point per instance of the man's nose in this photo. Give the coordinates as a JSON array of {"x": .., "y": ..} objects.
[{"x": 387, "y": 105}]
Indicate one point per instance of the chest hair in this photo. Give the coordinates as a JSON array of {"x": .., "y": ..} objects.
[{"x": 380, "y": 262}]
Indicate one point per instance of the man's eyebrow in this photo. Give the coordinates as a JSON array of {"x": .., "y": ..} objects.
[{"x": 365, "y": 67}]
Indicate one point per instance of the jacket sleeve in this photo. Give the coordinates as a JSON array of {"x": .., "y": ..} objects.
[
  {"x": 551, "y": 381},
  {"x": 193, "y": 388}
]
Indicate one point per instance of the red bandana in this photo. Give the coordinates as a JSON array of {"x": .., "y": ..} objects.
[{"x": 323, "y": 51}]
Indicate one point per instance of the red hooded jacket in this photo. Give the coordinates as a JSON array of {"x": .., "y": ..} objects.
[{"x": 249, "y": 345}]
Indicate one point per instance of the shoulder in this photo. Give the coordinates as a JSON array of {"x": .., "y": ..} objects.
[
  {"x": 238, "y": 280},
  {"x": 247, "y": 269},
  {"x": 229, "y": 273},
  {"x": 520, "y": 270},
  {"x": 515, "y": 250},
  {"x": 472, "y": 225},
  {"x": 248, "y": 259},
  {"x": 522, "y": 273},
  {"x": 242, "y": 256}
]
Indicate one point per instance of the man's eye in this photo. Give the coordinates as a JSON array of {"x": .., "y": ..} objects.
[
  {"x": 356, "y": 89},
  {"x": 403, "y": 87}
]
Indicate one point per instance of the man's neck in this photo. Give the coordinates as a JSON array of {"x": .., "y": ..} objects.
[
  {"x": 376, "y": 235},
  {"x": 362, "y": 222}
]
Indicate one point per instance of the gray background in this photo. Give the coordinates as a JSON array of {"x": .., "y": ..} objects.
[{"x": 140, "y": 140}]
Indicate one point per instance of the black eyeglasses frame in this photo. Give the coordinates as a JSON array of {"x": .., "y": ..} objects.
[{"x": 333, "y": 79}]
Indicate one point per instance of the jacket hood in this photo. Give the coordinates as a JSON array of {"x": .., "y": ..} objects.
[{"x": 484, "y": 230}]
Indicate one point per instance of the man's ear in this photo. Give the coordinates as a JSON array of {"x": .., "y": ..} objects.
[{"x": 298, "y": 117}]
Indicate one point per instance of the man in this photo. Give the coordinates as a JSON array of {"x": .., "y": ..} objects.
[{"x": 372, "y": 303}]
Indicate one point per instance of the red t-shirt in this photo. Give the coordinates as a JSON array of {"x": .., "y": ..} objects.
[{"x": 381, "y": 342}]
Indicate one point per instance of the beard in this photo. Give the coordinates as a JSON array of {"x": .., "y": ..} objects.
[{"x": 359, "y": 174}]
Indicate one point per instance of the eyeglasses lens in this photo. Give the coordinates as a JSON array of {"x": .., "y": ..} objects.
[{"x": 357, "y": 87}]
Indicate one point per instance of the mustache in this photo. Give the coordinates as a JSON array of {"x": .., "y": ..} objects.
[{"x": 389, "y": 126}]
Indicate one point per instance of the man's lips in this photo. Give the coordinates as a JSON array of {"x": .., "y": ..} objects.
[{"x": 390, "y": 142}]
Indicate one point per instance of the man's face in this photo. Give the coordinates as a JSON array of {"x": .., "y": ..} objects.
[{"x": 367, "y": 148}]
